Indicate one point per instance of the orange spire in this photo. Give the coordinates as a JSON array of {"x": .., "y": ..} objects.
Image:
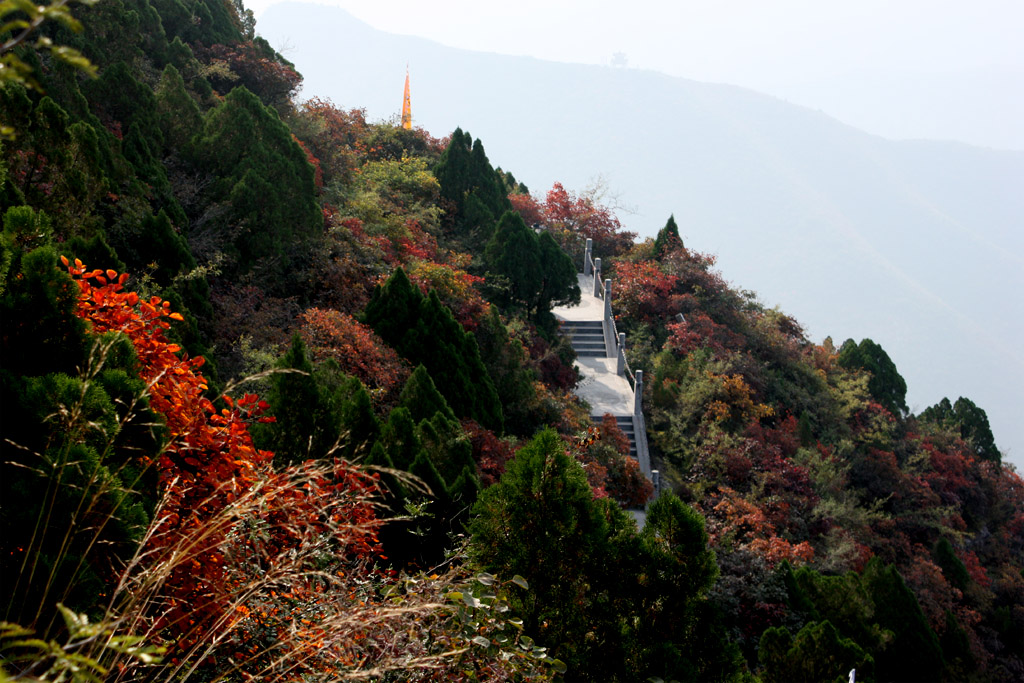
[{"x": 406, "y": 103}]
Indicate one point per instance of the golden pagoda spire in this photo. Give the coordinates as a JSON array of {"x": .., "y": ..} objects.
[{"x": 406, "y": 103}]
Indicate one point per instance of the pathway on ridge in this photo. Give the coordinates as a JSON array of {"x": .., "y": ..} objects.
[{"x": 601, "y": 387}]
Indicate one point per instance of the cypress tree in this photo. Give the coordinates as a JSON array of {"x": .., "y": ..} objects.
[
  {"x": 513, "y": 253},
  {"x": 359, "y": 426},
  {"x": 914, "y": 653},
  {"x": 559, "y": 284},
  {"x": 886, "y": 384},
  {"x": 424, "y": 331},
  {"x": 265, "y": 178},
  {"x": 507, "y": 363},
  {"x": 539, "y": 273},
  {"x": 398, "y": 437},
  {"x": 177, "y": 113},
  {"x": 473, "y": 188},
  {"x": 421, "y": 398},
  {"x": 668, "y": 239}
]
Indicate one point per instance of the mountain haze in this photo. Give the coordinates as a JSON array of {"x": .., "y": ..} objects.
[{"x": 915, "y": 244}]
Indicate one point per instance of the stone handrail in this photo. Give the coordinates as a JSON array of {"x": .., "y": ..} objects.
[{"x": 615, "y": 342}]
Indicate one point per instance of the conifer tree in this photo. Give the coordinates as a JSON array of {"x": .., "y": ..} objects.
[
  {"x": 541, "y": 521},
  {"x": 176, "y": 111},
  {"x": 507, "y": 362},
  {"x": 538, "y": 272},
  {"x": 420, "y": 397},
  {"x": 513, "y": 253},
  {"x": 473, "y": 188},
  {"x": 886, "y": 384},
  {"x": 265, "y": 178},
  {"x": 424, "y": 331},
  {"x": 969, "y": 421},
  {"x": 359, "y": 426},
  {"x": 559, "y": 284},
  {"x": 305, "y": 425},
  {"x": 668, "y": 238},
  {"x": 398, "y": 438}
]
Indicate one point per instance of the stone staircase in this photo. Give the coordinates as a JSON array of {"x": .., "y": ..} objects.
[
  {"x": 587, "y": 337},
  {"x": 607, "y": 384}
]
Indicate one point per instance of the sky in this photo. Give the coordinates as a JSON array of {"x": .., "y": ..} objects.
[{"x": 940, "y": 69}]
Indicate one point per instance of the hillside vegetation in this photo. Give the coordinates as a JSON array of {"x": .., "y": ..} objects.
[{"x": 283, "y": 399}]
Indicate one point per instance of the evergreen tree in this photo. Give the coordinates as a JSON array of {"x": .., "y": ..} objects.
[
  {"x": 817, "y": 653},
  {"x": 886, "y": 384},
  {"x": 359, "y": 426},
  {"x": 969, "y": 421},
  {"x": 914, "y": 654},
  {"x": 559, "y": 284},
  {"x": 306, "y": 423},
  {"x": 473, "y": 188},
  {"x": 399, "y": 439},
  {"x": 264, "y": 177},
  {"x": 668, "y": 239},
  {"x": 513, "y": 253},
  {"x": 539, "y": 274},
  {"x": 420, "y": 397},
  {"x": 177, "y": 113},
  {"x": 424, "y": 331},
  {"x": 507, "y": 363},
  {"x": 952, "y": 567},
  {"x": 541, "y": 521}
]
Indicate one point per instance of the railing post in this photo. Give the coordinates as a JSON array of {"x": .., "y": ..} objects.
[
  {"x": 620, "y": 365},
  {"x": 608, "y": 299},
  {"x": 587, "y": 256},
  {"x": 656, "y": 480},
  {"x": 638, "y": 393},
  {"x": 597, "y": 276}
]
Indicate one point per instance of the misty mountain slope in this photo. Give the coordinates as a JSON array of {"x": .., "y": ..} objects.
[{"x": 916, "y": 245}]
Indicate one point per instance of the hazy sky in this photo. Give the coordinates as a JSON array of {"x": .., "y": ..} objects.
[{"x": 902, "y": 68}]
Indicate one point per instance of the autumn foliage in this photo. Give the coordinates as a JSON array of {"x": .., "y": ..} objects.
[
  {"x": 357, "y": 349},
  {"x": 209, "y": 468}
]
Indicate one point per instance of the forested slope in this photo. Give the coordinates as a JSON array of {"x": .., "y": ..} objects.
[{"x": 283, "y": 400}]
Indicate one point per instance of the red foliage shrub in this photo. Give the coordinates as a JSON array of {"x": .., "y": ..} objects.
[
  {"x": 643, "y": 292},
  {"x": 356, "y": 348},
  {"x": 209, "y": 467},
  {"x": 489, "y": 452}
]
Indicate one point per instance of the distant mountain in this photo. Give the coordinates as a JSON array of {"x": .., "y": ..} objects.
[{"x": 917, "y": 245}]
